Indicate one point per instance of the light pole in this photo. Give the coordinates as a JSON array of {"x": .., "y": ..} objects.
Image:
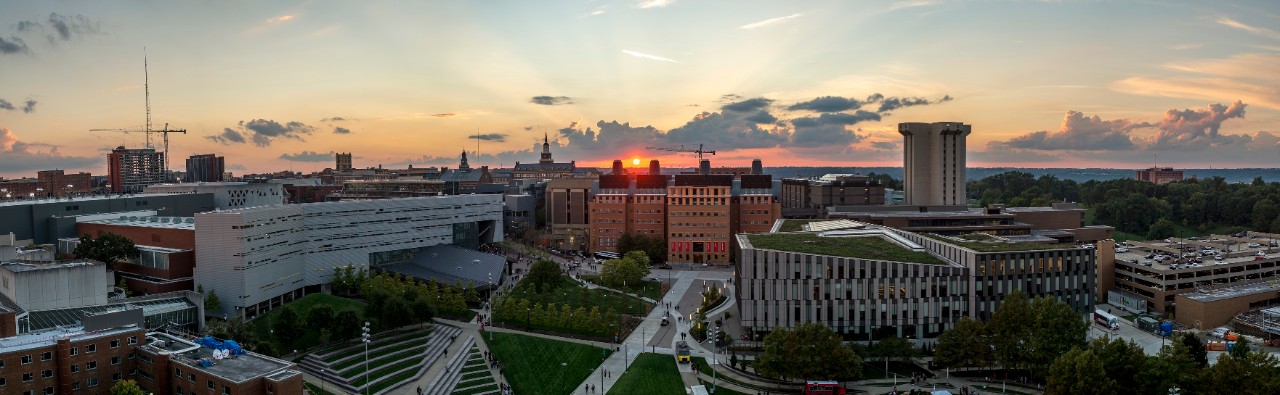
[
  {"x": 490, "y": 306},
  {"x": 365, "y": 337},
  {"x": 563, "y": 366},
  {"x": 323, "y": 384}
]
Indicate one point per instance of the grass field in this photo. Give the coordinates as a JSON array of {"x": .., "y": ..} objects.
[
  {"x": 650, "y": 289},
  {"x": 575, "y": 295},
  {"x": 262, "y": 327},
  {"x": 532, "y": 365},
  {"x": 650, "y": 374},
  {"x": 853, "y": 247}
]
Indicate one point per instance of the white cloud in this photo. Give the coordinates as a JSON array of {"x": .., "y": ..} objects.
[
  {"x": 770, "y": 21},
  {"x": 278, "y": 19},
  {"x": 1261, "y": 31},
  {"x": 643, "y": 55},
  {"x": 911, "y": 4},
  {"x": 654, "y": 3}
]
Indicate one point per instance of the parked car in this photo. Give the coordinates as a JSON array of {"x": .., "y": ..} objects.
[
  {"x": 1122, "y": 249},
  {"x": 1220, "y": 332}
]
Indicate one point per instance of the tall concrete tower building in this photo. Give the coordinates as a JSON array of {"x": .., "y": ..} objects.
[
  {"x": 344, "y": 161},
  {"x": 934, "y": 162}
]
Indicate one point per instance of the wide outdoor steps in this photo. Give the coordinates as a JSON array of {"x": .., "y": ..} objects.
[
  {"x": 344, "y": 367},
  {"x": 476, "y": 377},
  {"x": 443, "y": 383}
]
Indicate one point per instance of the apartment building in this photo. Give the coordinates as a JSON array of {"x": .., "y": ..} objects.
[
  {"x": 205, "y": 168},
  {"x": 131, "y": 170}
]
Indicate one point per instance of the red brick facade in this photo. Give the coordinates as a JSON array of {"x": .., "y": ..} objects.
[
  {"x": 151, "y": 280},
  {"x": 83, "y": 364}
]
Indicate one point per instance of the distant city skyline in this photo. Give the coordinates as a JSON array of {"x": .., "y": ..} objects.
[{"x": 278, "y": 86}]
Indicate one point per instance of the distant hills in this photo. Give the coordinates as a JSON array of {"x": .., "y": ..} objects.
[{"x": 1078, "y": 175}]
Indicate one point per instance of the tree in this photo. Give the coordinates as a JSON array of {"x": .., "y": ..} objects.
[
  {"x": 627, "y": 270},
  {"x": 211, "y": 302},
  {"x": 545, "y": 275},
  {"x": 1079, "y": 372},
  {"x": 1242, "y": 371},
  {"x": 286, "y": 326},
  {"x": 1163, "y": 228},
  {"x": 1172, "y": 366},
  {"x": 320, "y": 316},
  {"x": 236, "y": 329},
  {"x": 1009, "y": 331},
  {"x": 1195, "y": 347},
  {"x": 963, "y": 345},
  {"x": 655, "y": 248},
  {"x": 346, "y": 324},
  {"x": 811, "y": 350},
  {"x": 895, "y": 349},
  {"x": 1058, "y": 328},
  {"x": 127, "y": 387},
  {"x": 108, "y": 248},
  {"x": 1123, "y": 360}
]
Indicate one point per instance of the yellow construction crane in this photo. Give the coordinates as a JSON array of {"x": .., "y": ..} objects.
[
  {"x": 681, "y": 148},
  {"x": 148, "y": 132}
]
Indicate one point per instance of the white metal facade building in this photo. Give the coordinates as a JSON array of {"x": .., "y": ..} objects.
[
  {"x": 260, "y": 257},
  {"x": 229, "y": 195}
]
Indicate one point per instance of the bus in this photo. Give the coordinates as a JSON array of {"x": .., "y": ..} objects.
[
  {"x": 813, "y": 387},
  {"x": 606, "y": 255},
  {"x": 1106, "y": 319}
]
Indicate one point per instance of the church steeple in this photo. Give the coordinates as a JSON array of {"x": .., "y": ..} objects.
[
  {"x": 546, "y": 150},
  {"x": 463, "y": 166}
]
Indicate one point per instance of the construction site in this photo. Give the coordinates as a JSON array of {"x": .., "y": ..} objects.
[{"x": 131, "y": 170}]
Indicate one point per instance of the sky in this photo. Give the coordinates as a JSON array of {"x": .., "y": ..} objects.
[{"x": 283, "y": 85}]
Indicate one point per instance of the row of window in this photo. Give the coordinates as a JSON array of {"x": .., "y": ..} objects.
[
  {"x": 177, "y": 374},
  {"x": 88, "y": 349}
]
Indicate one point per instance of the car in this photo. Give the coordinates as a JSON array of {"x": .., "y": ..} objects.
[
  {"x": 1122, "y": 249},
  {"x": 1149, "y": 256},
  {"x": 664, "y": 266},
  {"x": 1220, "y": 332},
  {"x": 665, "y": 322},
  {"x": 1254, "y": 245}
]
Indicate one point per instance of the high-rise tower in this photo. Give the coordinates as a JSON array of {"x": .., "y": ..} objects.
[
  {"x": 546, "y": 151},
  {"x": 934, "y": 163},
  {"x": 344, "y": 161}
]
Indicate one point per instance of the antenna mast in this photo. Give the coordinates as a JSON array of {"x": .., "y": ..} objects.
[{"x": 146, "y": 89}]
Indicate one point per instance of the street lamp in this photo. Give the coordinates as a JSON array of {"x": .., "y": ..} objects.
[
  {"x": 490, "y": 305},
  {"x": 563, "y": 365},
  {"x": 365, "y": 337}
]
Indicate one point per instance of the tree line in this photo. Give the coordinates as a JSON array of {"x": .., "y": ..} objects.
[{"x": 1135, "y": 206}]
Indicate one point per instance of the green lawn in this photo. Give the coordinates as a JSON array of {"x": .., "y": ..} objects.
[
  {"x": 532, "y": 365},
  {"x": 795, "y": 225},
  {"x": 870, "y": 247},
  {"x": 650, "y": 374},
  {"x": 576, "y": 295},
  {"x": 262, "y": 327},
  {"x": 651, "y": 289},
  {"x": 719, "y": 390},
  {"x": 999, "y": 246}
]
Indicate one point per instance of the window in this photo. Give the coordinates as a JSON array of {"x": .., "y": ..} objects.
[
  {"x": 93, "y": 382},
  {"x": 91, "y": 365},
  {"x": 178, "y": 372},
  {"x": 133, "y": 340},
  {"x": 28, "y": 376},
  {"x": 47, "y": 373},
  {"x": 115, "y": 360},
  {"x": 192, "y": 377},
  {"x": 115, "y": 343},
  {"x": 75, "y": 368},
  {"x": 2, "y": 381},
  {"x": 226, "y": 390},
  {"x": 116, "y": 377},
  {"x": 90, "y": 348},
  {"x": 48, "y": 390},
  {"x": 45, "y": 356},
  {"x": 211, "y": 386},
  {"x": 75, "y": 385}
]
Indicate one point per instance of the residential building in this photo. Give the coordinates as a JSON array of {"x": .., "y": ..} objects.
[
  {"x": 568, "y": 212},
  {"x": 131, "y": 170},
  {"x": 628, "y": 204},
  {"x": 257, "y": 258},
  {"x": 871, "y": 282},
  {"x": 229, "y": 195},
  {"x": 205, "y": 168},
  {"x": 59, "y": 184},
  {"x": 1159, "y": 175},
  {"x": 172, "y": 364},
  {"x": 934, "y": 163}
]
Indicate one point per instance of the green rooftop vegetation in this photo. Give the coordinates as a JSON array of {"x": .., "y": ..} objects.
[
  {"x": 870, "y": 247},
  {"x": 993, "y": 245}
]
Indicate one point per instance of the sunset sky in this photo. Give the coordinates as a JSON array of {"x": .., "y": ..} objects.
[{"x": 275, "y": 86}]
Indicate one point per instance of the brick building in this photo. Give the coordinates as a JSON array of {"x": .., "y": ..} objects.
[
  {"x": 168, "y": 251},
  {"x": 628, "y": 203},
  {"x": 131, "y": 170},
  {"x": 1159, "y": 175},
  {"x": 567, "y": 211}
]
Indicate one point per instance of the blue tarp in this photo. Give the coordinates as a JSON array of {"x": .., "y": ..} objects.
[{"x": 210, "y": 342}]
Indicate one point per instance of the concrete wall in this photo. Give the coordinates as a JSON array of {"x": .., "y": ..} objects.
[
  {"x": 229, "y": 195},
  {"x": 1208, "y": 315},
  {"x": 46, "y": 221},
  {"x": 58, "y": 288}
]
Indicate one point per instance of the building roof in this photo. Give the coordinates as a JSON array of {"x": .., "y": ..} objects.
[
  {"x": 1213, "y": 295},
  {"x": 18, "y": 267},
  {"x": 32, "y": 202},
  {"x": 757, "y": 181},
  {"x": 50, "y": 319},
  {"x": 704, "y": 180},
  {"x": 986, "y": 243},
  {"x": 455, "y": 175},
  {"x": 554, "y": 166},
  {"x": 236, "y": 368},
  {"x": 866, "y": 243},
  {"x": 186, "y": 223},
  {"x": 450, "y": 264}
]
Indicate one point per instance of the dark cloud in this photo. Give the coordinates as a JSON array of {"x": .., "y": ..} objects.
[
  {"x": 333, "y": 119},
  {"x": 762, "y": 117},
  {"x": 528, "y": 128},
  {"x": 885, "y": 145},
  {"x": 13, "y": 45},
  {"x": 20, "y": 156},
  {"x": 262, "y": 131},
  {"x": 29, "y": 106},
  {"x": 876, "y": 97},
  {"x": 6, "y": 105},
  {"x": 894, "y": 103},
  {"x": 308, "y": 156},
  {"x": 26, "y": 26},
  {"x": 1195, "y": 129},
  {"x": 444, "y": 115},
  {"x": 726, "y": 98},
  {"x": 726, "y": 130},
  {"x": 749, "y": 105},
  {"x": 837, "y": 118},
  {"x": 228, "y": 136},
  {"x": 341, "y": 130},
  {"x": 66, "y": 26},
  {"x": 827, "y": 104},
  {"x": 500, "y": 137},
  {"x": 551, "y": 100},
  {"x": 1078, "y": 132}
]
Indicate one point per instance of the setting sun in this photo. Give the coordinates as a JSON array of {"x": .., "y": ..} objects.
[{"x": 635, "y": 161}]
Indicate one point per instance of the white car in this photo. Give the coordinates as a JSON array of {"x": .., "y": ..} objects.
[
  {"x": 1254, "y": 245},
  {"x": 1220, "y": 332},
  {"x": 1122, "y": 249}
]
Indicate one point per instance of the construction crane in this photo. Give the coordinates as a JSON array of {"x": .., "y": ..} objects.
[
  {"x": 681, "y": 148},
  {"x": 146, "y": 88},
  {"x": 165, "y": 132}
]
